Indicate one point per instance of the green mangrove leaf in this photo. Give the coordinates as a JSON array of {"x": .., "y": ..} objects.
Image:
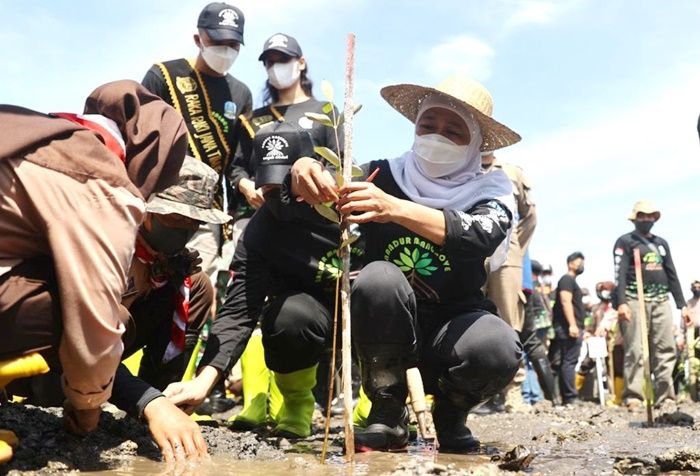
[
  {"x": 357, "y": 171},
  {"x": 351, "y": 239},
  {"x": 329, "y": 155},
  {"x": 327, "y": 90},
  {"x": 328, "y": 108},
  {"x": 327, "y": 213},
  {"x": 321, "y": 118}
]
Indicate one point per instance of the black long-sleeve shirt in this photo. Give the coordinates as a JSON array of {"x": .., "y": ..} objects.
[
  {"x": 658, "y": 271},
  {"x": 272, "y": 256},
  {"x": 452, "y": 273}
]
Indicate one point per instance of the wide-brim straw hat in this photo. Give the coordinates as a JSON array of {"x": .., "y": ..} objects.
[
  {"x": 645, "y": 206},
  {"x": 461, "y": 93}
]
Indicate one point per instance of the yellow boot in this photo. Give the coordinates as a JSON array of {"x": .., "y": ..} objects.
[
  {"x": 256, "y": 385},
  {"x": 580, "y": 381},
  {"x": 11, "y": 369},
  {"x": 294, "y": 418},
  {"x": 275, "y": 401},
  {"x": 362, "y": 409},
  {"x": 619, "y": 384}
]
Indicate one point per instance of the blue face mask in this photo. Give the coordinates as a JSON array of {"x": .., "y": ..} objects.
[{"x": 164, "y": 239}]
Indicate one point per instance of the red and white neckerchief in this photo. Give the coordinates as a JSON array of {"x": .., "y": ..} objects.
[
  {"x": 105, "y": 127},
  {"x": 181, "y": 314}
]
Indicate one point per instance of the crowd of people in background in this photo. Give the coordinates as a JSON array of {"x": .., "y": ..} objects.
[{"x": 114, "y": 225}]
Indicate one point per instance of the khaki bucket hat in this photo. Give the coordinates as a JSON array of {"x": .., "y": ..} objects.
[
  {"x": 645, "y": 206},
  {"x": 192, "y": 196},
  {"x": 462, "y": 93}
]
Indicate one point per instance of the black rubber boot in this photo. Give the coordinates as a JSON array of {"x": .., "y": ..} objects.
[
  {"x": 495, "y": 404},
  {"x": 545, "y": 376},
  {"x": 450, "y": 413},
  {"x": 384, "y": 381}
]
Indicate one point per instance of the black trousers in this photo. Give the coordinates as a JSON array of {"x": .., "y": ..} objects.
[
  {"x": 563, "y": 353},
  {"x": 150, "y": 324},
  {"x": 475, "y": 349},
  {"x": 295, "y": 329}
]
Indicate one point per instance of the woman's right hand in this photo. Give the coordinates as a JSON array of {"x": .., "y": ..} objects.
[
  {"x": 253, "y": 196},
  {"x": 312, "y": 183}
]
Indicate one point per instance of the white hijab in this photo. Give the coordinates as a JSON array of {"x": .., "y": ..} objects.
[{"x": 462, "y": 189}]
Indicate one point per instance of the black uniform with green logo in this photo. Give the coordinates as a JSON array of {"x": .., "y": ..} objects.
[
  {"x": 658, "y": 271},
  {"x": 422, "y": 303}
]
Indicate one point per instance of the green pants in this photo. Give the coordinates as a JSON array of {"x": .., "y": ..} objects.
[{"x": 662, "y": 351}]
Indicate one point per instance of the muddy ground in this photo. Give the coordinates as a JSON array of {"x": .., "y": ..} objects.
[{"x": 585, "y": 439}]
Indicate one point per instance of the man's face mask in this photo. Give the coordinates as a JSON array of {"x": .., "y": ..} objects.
[
  {"x": 643, "y": 227},
  {"x": 696, "y": 292},
  {"x": 579, "y": 270},
  {"x": 164, "y": 239},
  {"x": 219, "y": 58}
]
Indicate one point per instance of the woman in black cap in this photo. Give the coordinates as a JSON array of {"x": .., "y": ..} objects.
[
  {"x": 288, "y": 97},
  {"x": 429, "y": 221}
]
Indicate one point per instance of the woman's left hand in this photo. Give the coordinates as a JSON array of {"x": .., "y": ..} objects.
[{"x": 368, "y": 202}]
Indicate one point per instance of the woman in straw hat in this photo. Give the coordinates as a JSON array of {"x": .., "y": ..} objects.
[{"x": 430, "y": 219}]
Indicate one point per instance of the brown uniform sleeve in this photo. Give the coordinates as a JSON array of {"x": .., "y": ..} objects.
[{"x": 90, "y": 229}]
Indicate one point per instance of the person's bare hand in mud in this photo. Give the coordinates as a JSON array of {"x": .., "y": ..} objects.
[
  {"x": 364, "y": 202},
  {"x": 189, "y": 395},
  {"x": 312, "y": 183},
  {"x": 177, "y": 436},
  {"x": 80, "y": 422},
  {"x": 253, "y": 196},
  {"x": 624, "y": 312}
]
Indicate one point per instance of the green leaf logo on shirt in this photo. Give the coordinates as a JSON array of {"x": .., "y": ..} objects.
[{"x": 416, "y": 261}]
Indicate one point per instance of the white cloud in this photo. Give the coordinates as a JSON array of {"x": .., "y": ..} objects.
[
  {"x": 461, "y": 54},
  {"x": 520, "y": 13}
]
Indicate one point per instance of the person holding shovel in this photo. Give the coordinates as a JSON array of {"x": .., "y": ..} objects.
[
  {"x": 429, "y": 220},
  {"x": 659, "y": 277}
]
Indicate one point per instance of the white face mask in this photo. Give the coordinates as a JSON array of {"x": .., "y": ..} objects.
[
  {"x": 438, "y": 156},
  {"x": 283, "y": 75},
  {"x": 219, "y": 58}
]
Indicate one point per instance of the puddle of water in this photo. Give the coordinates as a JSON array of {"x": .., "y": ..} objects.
[{"x": 296, "y": 464}]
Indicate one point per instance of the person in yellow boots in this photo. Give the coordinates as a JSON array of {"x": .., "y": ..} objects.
[
  {"x": 261, "y": 396},
  {"x": 606, "y": 325},
  {"x": 285, "y": 268}
]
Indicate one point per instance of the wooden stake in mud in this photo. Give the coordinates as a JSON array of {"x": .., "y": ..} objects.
[
  {"x": 345, "y": 254},
  {"x": 690, "y": 344},
  {"x": 642, "y": 316}
]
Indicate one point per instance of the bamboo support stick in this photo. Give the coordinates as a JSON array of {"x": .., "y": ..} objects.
[
  {"x": 642, "y": 316},
  {"x": 345, "y": 254}
]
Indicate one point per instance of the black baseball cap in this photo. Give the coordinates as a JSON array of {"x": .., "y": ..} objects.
[
  {"x": 573, "y": 256},
  {"x": 222, "y": 22},
  {"x": 276, "y": 148},
  {"x": 283, "y": 43},
  {"x": 536, "y": 267}
]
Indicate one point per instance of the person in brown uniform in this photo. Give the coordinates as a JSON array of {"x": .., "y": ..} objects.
[{"x": 72, "y": 197}]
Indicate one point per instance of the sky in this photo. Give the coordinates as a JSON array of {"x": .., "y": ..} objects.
[{"x": 606, "y": 95}]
